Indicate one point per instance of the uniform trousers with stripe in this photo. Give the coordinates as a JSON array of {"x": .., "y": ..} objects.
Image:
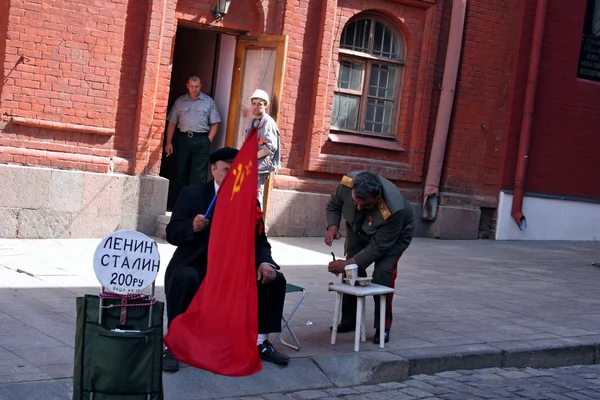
[{"x": 384, "y": 273}]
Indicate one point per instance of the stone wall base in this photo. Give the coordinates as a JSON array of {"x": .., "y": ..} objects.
[
  {"x": 45, "y": 203},
  {"x": 302, "y": 214}
]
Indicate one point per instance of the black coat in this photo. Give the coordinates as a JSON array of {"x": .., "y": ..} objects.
[{"x": 192, "y": 247}]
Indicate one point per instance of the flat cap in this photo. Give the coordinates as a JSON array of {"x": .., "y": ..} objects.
[{"x": 226, "y": 154}]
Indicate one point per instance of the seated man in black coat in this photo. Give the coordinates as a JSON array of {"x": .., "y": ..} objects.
[{"x": 189, "y": 230}]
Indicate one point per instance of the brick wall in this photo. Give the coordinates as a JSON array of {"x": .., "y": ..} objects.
[
  {"x": 302, "y": 22},
  {"x": 4, "y": 6},
  {"x": 253, "y": 16},
  {"x": 315, "y": 29},
  {"x": 78, "y": 85},
  {"x": 103, "y": 74},
  {"x": 473, "y": 150},
  {"x": 93, "y": 92},
  {"x": 475, "y": 141},
  {"x": 153, "y": 83},
  {"x": 563, "y": 158}
]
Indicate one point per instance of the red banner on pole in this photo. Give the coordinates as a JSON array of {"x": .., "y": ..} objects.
[{"x": 218, "y": 331}]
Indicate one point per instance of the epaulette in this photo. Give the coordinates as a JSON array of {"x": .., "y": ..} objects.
[
  {"x": 347, "y": 181},
  {"x": 383, "y": 208}
]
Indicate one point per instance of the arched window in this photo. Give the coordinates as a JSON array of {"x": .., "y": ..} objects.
[{"x": 367, "y": 94}]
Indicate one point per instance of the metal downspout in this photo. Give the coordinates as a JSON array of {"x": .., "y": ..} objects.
[
  {"x": 528, "y": 109},
  {"x": 442, "y": 123}
]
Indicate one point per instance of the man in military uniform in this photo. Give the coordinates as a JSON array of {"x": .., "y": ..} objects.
[
  {"x": 198, "y": 119},
  {"x": 379, "y": 222}
]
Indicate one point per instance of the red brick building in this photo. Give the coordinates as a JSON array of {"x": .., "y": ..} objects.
[{"x": 366, "y": 84}]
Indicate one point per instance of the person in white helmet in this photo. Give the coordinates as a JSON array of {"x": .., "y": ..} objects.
[{"x": 268, "y": 139}]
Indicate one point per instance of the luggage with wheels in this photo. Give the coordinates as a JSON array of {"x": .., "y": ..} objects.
[{"x": 118, "y": 347}]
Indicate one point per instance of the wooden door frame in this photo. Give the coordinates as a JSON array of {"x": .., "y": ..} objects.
[{"x": 279, "y": 43}]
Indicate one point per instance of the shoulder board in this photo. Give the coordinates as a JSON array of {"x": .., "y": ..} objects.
[
  {"x": 347, "y": 181},
  {"x": 383, "y": 208}
]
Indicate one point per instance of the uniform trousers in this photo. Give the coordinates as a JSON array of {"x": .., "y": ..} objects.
[
  {"x": 384, "y": 273},
  {"x": 186, "y": 281},
  {"x": 193, "y": 155}
]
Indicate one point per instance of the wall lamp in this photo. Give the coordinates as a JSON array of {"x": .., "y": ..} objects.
[{"x": 220, "y": 9}]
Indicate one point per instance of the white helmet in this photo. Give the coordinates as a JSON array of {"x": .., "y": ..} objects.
[{"x": 260, "y": 94}]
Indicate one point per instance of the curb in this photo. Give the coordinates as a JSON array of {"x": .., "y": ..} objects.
[
  {"x": 541, "y": 353},
  {"x": 362, "y": 368},
  {"x": 353, "y": 369}
]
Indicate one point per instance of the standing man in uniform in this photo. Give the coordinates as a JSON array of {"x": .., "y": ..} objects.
[
  {"x": 379, "y": 223},
  {"x": 198, "y": 119},
  {"x": 268, "y": 140}
]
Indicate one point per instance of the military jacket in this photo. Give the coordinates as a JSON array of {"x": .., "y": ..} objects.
[{"x": 385, "y": 230}]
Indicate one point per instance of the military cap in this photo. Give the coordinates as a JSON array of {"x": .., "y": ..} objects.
[{"x": 226, "y": 154}]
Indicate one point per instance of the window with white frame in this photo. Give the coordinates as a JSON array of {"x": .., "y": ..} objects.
[{"x": 367, "y": 95}]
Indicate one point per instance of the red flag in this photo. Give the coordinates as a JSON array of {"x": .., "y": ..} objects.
[{"x": 218, "y": 331}]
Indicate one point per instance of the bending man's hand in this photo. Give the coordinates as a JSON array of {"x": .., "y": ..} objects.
[
  {"x": 266, "y": 273},
  {"x": 337, "y": 267},
  {"x": 332, "y": 234}
]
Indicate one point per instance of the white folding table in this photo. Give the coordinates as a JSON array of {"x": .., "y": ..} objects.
[{"x": 361, "y": 292}]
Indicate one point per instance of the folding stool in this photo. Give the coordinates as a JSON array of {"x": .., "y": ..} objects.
[{"x": 289, "y": 288}]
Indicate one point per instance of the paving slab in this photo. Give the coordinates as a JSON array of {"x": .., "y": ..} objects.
[
  {"x": 458, "y": 305},
  {"x": 47, "y": 390},
  {"x": 193, "y": 384}
]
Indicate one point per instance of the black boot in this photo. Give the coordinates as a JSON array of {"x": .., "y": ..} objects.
[
  {"x": 345, "y": 327},
  {"x": 170, "y": 363},
  {"x": 386, "y": 336}
]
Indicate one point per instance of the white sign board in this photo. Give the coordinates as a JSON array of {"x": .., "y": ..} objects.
[{"x": 126, "y": 262}]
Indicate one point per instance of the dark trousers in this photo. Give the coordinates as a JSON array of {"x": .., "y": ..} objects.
[
  {"x": 192, "y": 159},
  {"x": 181, "y": 289},
  {"x": 271, "y": 297},
  {"x": 384, "y": 273},
  {"x": 187, "y": 280}
]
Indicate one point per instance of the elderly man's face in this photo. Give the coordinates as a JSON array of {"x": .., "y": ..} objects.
[
  {"x": 367, "y": 204},
  {"x": 219, "y": 170}
]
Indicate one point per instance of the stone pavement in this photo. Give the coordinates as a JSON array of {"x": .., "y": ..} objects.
[
  {"x": 459, "y": 305},
  {"x": 567, "y": 383}
]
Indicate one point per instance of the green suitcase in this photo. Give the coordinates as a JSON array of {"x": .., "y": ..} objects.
[{"x": 115, "y": 361}]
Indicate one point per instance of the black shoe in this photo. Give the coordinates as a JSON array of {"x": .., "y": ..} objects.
[
  {"x": 170, "y": 363},
  {"x": 268, "y": 353},
  {"x": 345, "y": 327},
  {"x": 386, "y": 336}
]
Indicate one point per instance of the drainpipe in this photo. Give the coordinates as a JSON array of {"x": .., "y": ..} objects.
[
  {"x": 528, "y": 108},
  {"x": 442, "y": 123}
]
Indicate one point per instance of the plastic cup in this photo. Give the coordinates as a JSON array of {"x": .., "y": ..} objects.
[{"x": 351, "y": 272}]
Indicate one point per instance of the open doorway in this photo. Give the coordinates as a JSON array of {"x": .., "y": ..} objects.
[
  {"x": 231, "y": 65},
  {"x": 209, "y": 55}
]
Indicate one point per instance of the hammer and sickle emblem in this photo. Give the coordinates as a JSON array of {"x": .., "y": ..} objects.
[{"x": 240, "y": 173}]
